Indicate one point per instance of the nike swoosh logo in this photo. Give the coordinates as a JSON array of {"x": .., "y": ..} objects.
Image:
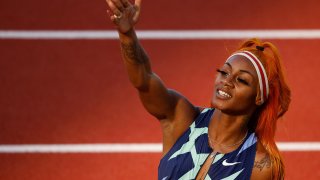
[
  {"x": 165, "y": 178},
  {"x": 225, "y": 163}
]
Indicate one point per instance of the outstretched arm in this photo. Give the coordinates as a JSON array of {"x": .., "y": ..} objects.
[
  {"x": 174, "y": 110},
  {"x": 156, "y": 98}
]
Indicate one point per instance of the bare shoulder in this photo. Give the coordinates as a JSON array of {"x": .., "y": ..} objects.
[{"x": 262, "y": 167}]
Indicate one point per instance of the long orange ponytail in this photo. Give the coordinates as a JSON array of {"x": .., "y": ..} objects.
[{"x": 264, "y": 121}]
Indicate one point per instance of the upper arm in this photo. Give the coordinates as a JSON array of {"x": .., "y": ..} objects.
[
  {"x": 173, "y": 109},
  {"x": 161, "y": 102}
]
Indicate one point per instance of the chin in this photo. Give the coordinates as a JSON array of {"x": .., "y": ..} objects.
[
  {"x": 226, "y": 107},
  {"x": 216, "y": 104}
]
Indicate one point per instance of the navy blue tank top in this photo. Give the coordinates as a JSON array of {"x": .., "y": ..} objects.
[{"x": 188, "y": 154}]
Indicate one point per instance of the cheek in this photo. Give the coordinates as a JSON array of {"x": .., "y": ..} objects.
[{"x": 247, "y": 96}]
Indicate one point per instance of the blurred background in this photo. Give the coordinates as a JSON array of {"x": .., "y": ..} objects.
[{"x": 59, "y": 85}]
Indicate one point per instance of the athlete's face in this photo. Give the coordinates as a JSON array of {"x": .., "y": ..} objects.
[{"x": 236, "y": 87}]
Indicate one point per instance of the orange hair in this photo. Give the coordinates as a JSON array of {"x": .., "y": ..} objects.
[{"x": 264, "y": 120}]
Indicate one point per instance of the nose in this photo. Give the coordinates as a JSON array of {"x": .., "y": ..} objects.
[{"x": 228, "y": 81}]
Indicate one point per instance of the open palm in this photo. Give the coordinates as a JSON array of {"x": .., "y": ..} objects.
[{"x": 124, "y": 14}]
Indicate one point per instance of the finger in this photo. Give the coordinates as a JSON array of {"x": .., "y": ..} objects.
[
  {"x": 110, "y": 14},
  {"x": 136, "y": 13},
  {"x": 114, "y": 19},
  {"x": 113, "y": 7},
  {"x": 118, "y": 4},
  {"x": 126, "y": 3},
  {"x": 138, "y": 3}
]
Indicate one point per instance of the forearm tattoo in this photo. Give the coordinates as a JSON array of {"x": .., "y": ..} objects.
[
  {"x": 265, "y": 162},
  {"x": 133, "y": 52}
]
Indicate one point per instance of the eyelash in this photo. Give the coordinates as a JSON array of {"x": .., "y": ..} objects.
[
  {"x": 224, "y": 73},
  {"x": 242, "y": 81}
]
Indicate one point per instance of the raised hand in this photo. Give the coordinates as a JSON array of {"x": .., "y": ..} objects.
[{"x": 124, "y": 14}]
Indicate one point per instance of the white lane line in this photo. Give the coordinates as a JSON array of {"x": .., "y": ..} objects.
[
  {"x": 126, "y": 148},
  {"x": 81, "y": 148},
  {"x": 299, "y": 146},
  {"x": 163, "y": 34}
]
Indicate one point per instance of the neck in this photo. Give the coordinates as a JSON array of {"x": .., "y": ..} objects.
[{"x": 225, "y": 129}]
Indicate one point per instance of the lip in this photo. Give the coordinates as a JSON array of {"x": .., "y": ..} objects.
[{"x": 219, "y": 96}]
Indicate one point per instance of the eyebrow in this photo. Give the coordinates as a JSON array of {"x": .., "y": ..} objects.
[
  {"x": 241, "y": 70},
  {"x": 228, "y": 64}
]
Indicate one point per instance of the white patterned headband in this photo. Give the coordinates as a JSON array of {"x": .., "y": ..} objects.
[{"x": 262, "y": 76}]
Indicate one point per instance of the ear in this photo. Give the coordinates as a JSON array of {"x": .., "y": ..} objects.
[{"x": 258, "y": 99}]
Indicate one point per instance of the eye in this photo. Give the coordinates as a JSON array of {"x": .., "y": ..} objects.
[
  {"x": 242, "y": 81},
  {"x": 222, "y": 72}
]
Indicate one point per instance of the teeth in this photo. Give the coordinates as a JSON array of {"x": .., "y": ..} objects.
[{"x": 222, "y": 93}]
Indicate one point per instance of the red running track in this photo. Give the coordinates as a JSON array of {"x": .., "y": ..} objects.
[
  {"x": 57, "y": 91},
  {"x": 164, "y": 14}
]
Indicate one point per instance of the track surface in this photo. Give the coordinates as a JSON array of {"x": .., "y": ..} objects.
[{"x": 60, "y": 91}]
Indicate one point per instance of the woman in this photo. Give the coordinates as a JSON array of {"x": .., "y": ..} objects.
[{"x": 232, "y": 140}]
